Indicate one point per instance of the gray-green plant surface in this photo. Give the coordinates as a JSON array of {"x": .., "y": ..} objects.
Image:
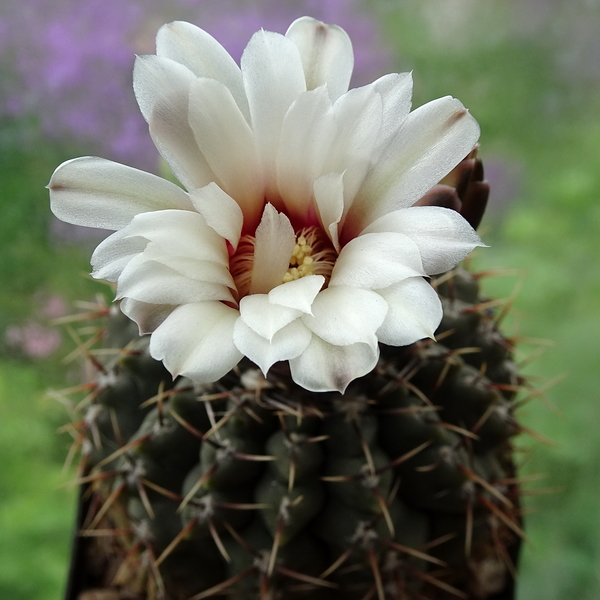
[{"x": 529, "y": 72}]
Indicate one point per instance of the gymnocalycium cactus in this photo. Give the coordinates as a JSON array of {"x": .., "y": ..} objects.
[{"x": 310, "y": 416}]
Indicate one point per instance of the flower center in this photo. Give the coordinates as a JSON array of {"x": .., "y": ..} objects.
[{"x": 313, "y": 254}]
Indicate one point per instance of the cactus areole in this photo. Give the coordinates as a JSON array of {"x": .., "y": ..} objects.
[{"x": 309, "y": 438}]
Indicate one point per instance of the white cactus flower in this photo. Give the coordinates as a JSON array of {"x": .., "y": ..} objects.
[{"x": 294, "y": 237}]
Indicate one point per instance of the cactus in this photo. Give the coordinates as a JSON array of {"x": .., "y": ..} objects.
[
  {"x": 252, "y": 488},
  {"x": 292, "y": 428}
]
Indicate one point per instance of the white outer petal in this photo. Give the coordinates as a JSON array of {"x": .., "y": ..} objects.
[
  {"x": 155, "y": 283},
  {"x": 307, "y": 132},
  {"x": 95, "y": 192},
  {"x": 415, "y": 311},
  {"x": 220, "y": 211},
  {"x": 207, "y": 271},
  {"x": 265, "y": 318},
  {"x": 202, "y": 55},
  {"x": 298, "y": 294},
  {"x": 323, "y": 367},
  {"x": 273, "y": 78},
  {"x": 196, "y": 340},
  {"x": 329, "y": 198},
  {"x": 147, "y": 316},
  {"x": 326, "y": 52},
  {"x": 358, "y": 116},
  {"x": 431, "y": 142},
  {"x": 155, "y": 78},
  {"x": 227, "y": 143},
  {"x": 112, "y": 254},
  {"x": 162, "y": 88},
  {"x": 180, "y": 233},
  {"x": 273, "y": 249},
  {"x": 343, "y": 316},
  {"x": 443, "y": 236},
  {"x": 289, "y": 342},
  {"x": 396, "y": 93},
  {"x": 377, "y": 260}
]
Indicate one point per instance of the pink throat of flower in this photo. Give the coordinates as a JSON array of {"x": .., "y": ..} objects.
[{"x": 313, "y": 254}]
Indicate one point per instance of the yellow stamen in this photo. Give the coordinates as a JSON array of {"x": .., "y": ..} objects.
[{"x": 312, "y": 255}]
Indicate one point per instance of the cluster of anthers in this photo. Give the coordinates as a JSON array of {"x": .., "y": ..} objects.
[{"x": 311, "y": 256}]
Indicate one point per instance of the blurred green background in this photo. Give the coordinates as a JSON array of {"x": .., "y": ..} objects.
[{"x": 529, "y": 70}]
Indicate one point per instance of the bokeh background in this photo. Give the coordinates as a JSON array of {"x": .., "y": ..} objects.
[{"x": 529, "y": 70}]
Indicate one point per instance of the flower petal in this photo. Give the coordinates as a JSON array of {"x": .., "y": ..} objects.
[
  {"x": 443, "y": 236},
  {"x": 306, "y": 135},
  {"x": 180, "y": 233},
  {"x": 153, "y": 77},
  {"x": 265, "y": 318},
  {"x": 329, "y": 198},
  {"x": 177, "y": 146},
  {"x": 297, "y": 294},
  {"x": 288, "y": 342},
  {"x": 207, "y": 271},
  {"x": 343, "y": 316},
  {"x": 358, "y": 116},
  {"x": 396, "y": 93},
  {"x": 147, "y": 316},
  {"x": 273, "y": 248},
  {"x": 95, "y": 192},
  {"x": 162, "y": 89},
  {"x": 323, "y": 367},
  {"x": 377, "y": 260},
  {"x": 112, "y": 254},
  {"x": 203, "y": 56},
  {"x": 155, "y": 283},
  {"x": 220, "y": 211},
  {"x": 273, "y": 78},
  {"x": 431, "y": 142},
  {"x": 415, "y": 311},
  {"x": 326, "y": 52},
  {"x": 226, "y": 141},
  {"x": 196, "y": 340}
]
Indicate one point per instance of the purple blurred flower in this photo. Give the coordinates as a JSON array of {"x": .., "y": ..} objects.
[
  {"x": 53, "y": 307},
  {"x": 69, "y": 62},
  {"x": 35, "y": 338},
  {"x": 32, "y": 339}
]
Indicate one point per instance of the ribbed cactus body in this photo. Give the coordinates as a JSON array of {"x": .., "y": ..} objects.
[{"x": 403, "y": 488}]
